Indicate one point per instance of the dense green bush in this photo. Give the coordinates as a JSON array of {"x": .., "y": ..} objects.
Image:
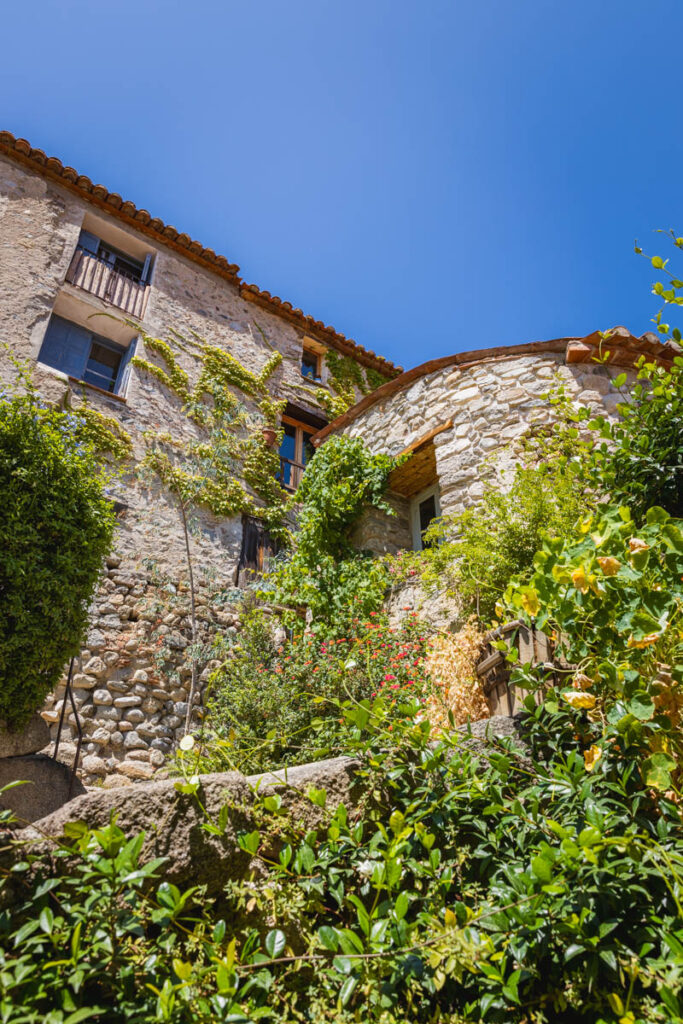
[
  {"x": 277, "y": 704},
  {"x": 613, "y": 598},
  {"x": 476, "y": 553},
  {"x": 532, "y": 887},
  {"x": 325, "y": 573},
  {"x": 55, "y": 528},
  {"x": 635, "y": 459}
]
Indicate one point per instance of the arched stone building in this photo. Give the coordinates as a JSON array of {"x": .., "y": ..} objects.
[{"x": 457, "y": 416}]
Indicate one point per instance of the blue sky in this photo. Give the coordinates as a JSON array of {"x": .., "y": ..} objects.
[{"x": 427, "y": 178}]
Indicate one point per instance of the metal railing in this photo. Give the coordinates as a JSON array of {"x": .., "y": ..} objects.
[
  {"x": 290, "y": 473},
  {"x": 119, "y": 287}
]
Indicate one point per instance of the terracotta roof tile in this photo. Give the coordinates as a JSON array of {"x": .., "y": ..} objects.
[{"x": 141, "y": 220}]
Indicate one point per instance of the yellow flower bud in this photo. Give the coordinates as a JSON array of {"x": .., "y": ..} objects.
[
  {"x": 579, "y": 700},
  {"x": 591, "y": 757},
  {"x": 580, "y": 580},
  {"x": 636, "y": 544},
  {"x": 610, "y": 566}
]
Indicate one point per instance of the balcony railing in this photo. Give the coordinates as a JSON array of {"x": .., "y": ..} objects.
[
  {"x": 117, "y": 286},
  {"x": 290, "y": 473}
]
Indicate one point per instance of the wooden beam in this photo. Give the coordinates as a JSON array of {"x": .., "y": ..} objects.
[{"x": 427, "y": 437}]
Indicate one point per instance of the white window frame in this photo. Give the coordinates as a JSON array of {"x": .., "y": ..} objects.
[{"x": 415, "y": 503}]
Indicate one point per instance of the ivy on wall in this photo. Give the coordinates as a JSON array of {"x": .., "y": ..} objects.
[
  {"x": 104, "y": 433},
  {"x": 209, "y": 470},
  {"x": 346, "y": 378}
]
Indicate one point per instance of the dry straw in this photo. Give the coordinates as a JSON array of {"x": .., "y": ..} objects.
[{"x": 451, "y": 662}]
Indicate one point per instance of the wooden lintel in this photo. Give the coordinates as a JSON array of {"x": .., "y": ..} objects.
[{"x": 427, "y": 437}]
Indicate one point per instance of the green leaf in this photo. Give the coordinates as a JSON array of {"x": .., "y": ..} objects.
[
  {"x": 347, "y": 989},
  {"x": 641, "y": 707},
  {"x": 83, "y": 1014},
  {"x": 589, "y": 836},
  {"x": 46, "y": 920},
  {"x": 542, "y": 868},
  {"x": 275, "y": 942},
  {"x": 401, "y": 905},
  {"x": 328, "y": 937},
  {"x": 657, "y": 771}
]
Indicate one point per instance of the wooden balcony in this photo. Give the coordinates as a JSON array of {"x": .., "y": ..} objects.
[{"x": 116, "y": 286}]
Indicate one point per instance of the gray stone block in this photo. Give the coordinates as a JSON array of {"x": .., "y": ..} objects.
[
  {"x": 48, "y": 786},
  {"x": 33, "y": 737}
]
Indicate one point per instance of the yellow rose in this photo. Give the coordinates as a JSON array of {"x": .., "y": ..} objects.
[
  {"x": 609, "y": 566},
  {"x": 591, "y": 757},
  {"x": 579, "y": 700}
]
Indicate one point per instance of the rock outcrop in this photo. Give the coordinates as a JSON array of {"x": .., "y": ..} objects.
[{"x": 173, "y": 822}]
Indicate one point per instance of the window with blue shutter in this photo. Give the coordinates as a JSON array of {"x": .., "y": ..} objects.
[{"x": 86, "y": 356}]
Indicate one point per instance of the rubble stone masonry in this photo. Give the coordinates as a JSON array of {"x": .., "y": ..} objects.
[{"x": 131, "y": 680}]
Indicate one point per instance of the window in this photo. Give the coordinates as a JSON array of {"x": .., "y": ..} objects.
[
  {"x": 424, "y": 509},
  {"x": 79, "y": 353},
  {"x": 113, "y": 257},
  {"x": 296, "y": 451},
  {"x": 110, "y": 274},
  {"x": 310, "y": 364}
]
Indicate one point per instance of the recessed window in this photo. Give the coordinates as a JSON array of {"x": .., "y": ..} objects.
[
  {"x": 424, "y": 509},
  {"x": 310, "y": 364},
  {"x": 296, "y": 451},
  {"x": 110, "y": 274},
  {"x": 85, "y": 356}
]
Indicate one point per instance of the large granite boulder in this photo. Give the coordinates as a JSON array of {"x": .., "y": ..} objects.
[
  {"x": 33, "y": 737},
  {"x": 173, "y": 822},
  {"x": 47, "y": 786}
]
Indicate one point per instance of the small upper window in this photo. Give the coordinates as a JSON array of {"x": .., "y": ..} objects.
[
  {"x": 310, "y": 364},
  {"x": 110, "y": 274},
  {"x": 85, "y": 356}
]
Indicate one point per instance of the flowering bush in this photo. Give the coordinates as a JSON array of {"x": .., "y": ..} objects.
[
  {"x": 56, "y": 526},
  {"x": 278, "y": 703},
  {"x": 614, "y": 601},
  {"x": 510, "y": 887}
]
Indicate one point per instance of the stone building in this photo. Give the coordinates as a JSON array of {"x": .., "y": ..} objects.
[
  {"x": 85, "y": 278},
  {"x": 457, "y": 417}
]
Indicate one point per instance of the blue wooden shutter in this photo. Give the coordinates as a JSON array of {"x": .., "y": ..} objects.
[
  {"x": 66, "y": 347},
  {"x": 89, "y": 242},
  {"x": 147, "y": 269},
  {"x": 123, "y": 375}
]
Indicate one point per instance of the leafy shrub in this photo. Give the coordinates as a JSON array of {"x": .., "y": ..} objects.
[
  {"x": 614, "y": 599},
  {"x": 275, "y": 704},
  {"x": 507, "y": 888},
  {"x": 56, "y": 526},
  {"x": 325, "y": 573},
  {"x": 476, "y": 553},
  {"x": 638, "y": 460}
]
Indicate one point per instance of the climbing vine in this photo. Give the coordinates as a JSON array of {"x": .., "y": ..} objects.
[
  {"x": 205, "y": 471},
  {"x": 346, "y": 377},
  {"x": 104, "y": 433}
]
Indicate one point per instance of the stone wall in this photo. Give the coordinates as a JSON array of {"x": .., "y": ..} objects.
[
  {"x": 132, "y": 702},
  {"x": 491, "y": 405}
]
